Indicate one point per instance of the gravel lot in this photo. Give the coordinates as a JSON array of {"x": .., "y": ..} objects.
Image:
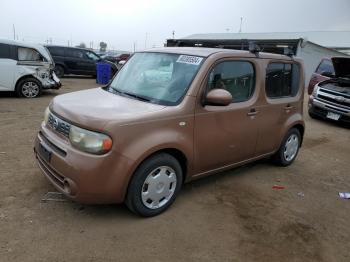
[{"x": 233, "y": 216}]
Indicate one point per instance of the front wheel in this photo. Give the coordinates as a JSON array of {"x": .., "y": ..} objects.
[
  {"x": 154, "y": 185},
  {"x": 29, "y": 88},
  {"x": 289, "y": 148}
]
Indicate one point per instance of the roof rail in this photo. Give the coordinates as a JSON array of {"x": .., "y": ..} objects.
[
  {"x": 253, "y": 48},
  {"x": 288, "y": 51}
]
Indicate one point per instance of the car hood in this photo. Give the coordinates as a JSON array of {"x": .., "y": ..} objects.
[
  {"x": 341, "y": 66},
  {"x": 94, "y": 108}
]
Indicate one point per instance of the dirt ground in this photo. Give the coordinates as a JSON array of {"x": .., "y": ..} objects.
[{"x": 233, "y": 216}]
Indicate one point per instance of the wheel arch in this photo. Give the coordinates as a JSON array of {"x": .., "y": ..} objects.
[
  {"x": 175, "y": 152},
  {"x": 24, "y": 77}
]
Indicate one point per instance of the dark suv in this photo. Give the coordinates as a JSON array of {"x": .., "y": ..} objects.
[{"x": 78, "y": 61}]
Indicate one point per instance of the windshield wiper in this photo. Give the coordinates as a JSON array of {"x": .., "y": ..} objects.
[{"x": 123, "y": 93}]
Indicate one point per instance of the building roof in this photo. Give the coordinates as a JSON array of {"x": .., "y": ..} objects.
[{"x": 331, "y": 39}]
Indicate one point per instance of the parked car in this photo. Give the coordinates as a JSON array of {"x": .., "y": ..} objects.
[
  {"x": 116, "y": 58},
  {"x": 169, "y": 116},
  {"x": 324, "y": 71},
  {"x": 77, "y": 61},
  {"x": 26, "y": 69},
  {"x": 330, "y": 99}
]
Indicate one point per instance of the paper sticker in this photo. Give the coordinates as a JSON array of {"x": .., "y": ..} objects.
[{"x": 192, "y": 60}]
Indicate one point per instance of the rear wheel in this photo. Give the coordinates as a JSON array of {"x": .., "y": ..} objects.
[
  {"x": 59, "y": 71},
  {"x": 29, "y": 88},
  {"x": 154, "y": 185},
  {"x": 289, "y": 148}
]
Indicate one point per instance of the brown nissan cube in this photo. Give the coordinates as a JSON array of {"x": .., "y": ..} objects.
[{"x": 169, "y": 116}]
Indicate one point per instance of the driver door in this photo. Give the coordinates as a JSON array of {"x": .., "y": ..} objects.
[{"x": 225, "y": 135}]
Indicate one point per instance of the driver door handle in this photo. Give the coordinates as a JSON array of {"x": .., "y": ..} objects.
[{"x": 252, "y": 112}]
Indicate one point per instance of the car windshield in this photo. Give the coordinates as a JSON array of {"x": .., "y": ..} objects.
[
  {"x": 93, "y": 56},
  {"x": 156, "y": 77}
]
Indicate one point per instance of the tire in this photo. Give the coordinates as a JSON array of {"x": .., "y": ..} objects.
[
  {"x": 311, "y": 114},
  {"x": 289, "y": 148},
  {"x": 154, "y": 185},
  {"x": 59, "y": 71},
  {"x": 29, "y": 88}
]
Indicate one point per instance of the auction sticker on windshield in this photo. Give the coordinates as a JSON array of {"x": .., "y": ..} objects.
[{"x": 192, "y": 60}]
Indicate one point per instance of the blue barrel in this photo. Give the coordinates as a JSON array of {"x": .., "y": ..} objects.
[{"x": 104, "y": 73}]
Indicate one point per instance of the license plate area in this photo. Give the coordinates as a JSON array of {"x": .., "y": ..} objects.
[
  {"x": 333, "y": 116},
  {"x": 45, "y": 153}
]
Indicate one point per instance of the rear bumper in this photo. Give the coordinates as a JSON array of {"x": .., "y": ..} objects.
[{"x": 51, "y": 84}]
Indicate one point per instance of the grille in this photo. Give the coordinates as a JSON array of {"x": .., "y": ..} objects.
[
  {"x": 334, "y": 98},
  {"x": 60, "y": 126}
]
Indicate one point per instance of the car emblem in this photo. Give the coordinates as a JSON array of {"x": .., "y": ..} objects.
[
  {"x": 339, "y": 99},
  {"x": 55, "y": 123}
]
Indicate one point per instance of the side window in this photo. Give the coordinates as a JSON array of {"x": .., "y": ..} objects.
[
  {"x": 56, "y": 51},
  {"x": 75, "y": 53},
  {"x": 29, "y": 54},
  {"x": 282, "y": 80},
  {"x": 5, "y": 51},
  {"x": 237, "y": 77},
  {"x": 325, "y": 66}
]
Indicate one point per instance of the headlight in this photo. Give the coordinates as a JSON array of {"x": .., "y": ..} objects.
[
  {"x": 88, "y": 141},
  {"x": 314, "y": 92},
  {"x": 46, "y": 115}
]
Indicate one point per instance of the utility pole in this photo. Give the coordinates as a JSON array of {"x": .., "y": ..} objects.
[
  {"x": 134, "y": 47},
  {"x": 14, "y": 32},
  {"x": 240, "y": 27},
  {"x": 173, "y": 34}
]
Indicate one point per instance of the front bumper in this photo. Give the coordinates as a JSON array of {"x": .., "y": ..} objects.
[
  {"x": 321, "y": 109},
  {"x": 82, "y": 177}
]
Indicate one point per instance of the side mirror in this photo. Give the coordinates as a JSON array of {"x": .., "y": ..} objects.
[
  {"x": 218, "y": 97},
  {"x": 327, "y": 74}
]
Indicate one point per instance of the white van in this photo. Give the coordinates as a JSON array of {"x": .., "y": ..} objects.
[{"x": 26, "y": 69}]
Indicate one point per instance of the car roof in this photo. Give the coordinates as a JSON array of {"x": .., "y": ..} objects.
[
  {"x": 70, "y": 47},
  {"x": 206, "y": 52}
]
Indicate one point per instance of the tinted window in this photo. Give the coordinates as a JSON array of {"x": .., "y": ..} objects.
[
  {"x": 237, "y": 77},
  {"x": 76, "y": 53},
  {"x": 325, "y": 66},
  {"x": 5, "y": 51},
  {"x": 56, "y": 51},
  {"x": 282, "y": 80},
  {"x": 29, "y": 54}
]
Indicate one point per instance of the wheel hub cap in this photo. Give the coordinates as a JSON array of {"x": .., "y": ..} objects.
[
  {"x": 30, "y": 89},
  {"x": 158, "y": 187},
  {"x": 291, "y": 147}
]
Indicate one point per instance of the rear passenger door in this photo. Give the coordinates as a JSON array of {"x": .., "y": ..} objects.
[
  {"x": 78, "y": 62},
  {"x": 226, "y": 135},
  {"x": 282, "y": 101},
  {"x": 8, "y": 67}
]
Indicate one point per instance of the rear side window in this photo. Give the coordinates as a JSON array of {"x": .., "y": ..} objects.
[
  {"x": 76, "y": 53},
  {"x": 325, "y": 66},
  {"x": 56, "y": 51},
  {"x": 29, "y": 54},
  {"x": 282, "y": 80},
  {"x": 5, "y": 51},
  {"x": 237, "y": 77}
]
